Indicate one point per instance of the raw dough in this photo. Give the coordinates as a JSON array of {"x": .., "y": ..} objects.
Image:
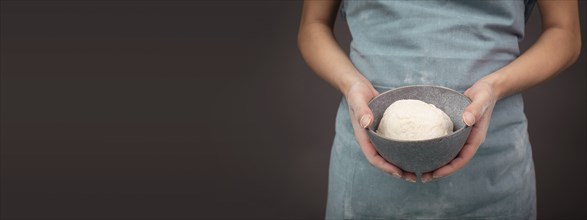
[{"x": 411, "y": 119}]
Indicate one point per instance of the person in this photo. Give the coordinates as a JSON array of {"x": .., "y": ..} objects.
[{"x": 468, "y": 46}]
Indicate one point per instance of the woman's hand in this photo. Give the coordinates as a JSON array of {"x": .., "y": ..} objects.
[
  {"x": 557, "y": 48},
  {"x": 357, "y": 97},
  {"x": 323, "y": 54},
  {"x": 478, "y": 115}
]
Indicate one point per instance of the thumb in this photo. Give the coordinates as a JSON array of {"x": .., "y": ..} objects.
[
  {"x": 474, "y": 111},
  {"x": 374, "y": 91},
  {"x": 366, "y": 115},
  {"x": 362, "y": 113},
  {"x": 469, "y": 118},
  {"x": 365, "y": 120}
]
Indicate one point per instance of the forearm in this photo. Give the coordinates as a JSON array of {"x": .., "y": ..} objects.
[
  {"x": 553, "y": 52},
  {"x": 557, "y": 48},
  {"x": 325, "y": 57}
]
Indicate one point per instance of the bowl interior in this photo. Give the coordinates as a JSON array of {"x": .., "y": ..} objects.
[
  {"x": 422, "y": 155},
  {"x": 451, "y": 102}
]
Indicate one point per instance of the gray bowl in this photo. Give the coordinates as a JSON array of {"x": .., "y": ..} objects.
[{"x": 424, "y": 155}]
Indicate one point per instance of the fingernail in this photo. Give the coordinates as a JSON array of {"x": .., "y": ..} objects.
[
  {"x": 409, "y": 179},
  {"x": 396, "y": 175},
  {"x": 365, "y": 120},
  {"x": 425, "y": 180},
  {"x": 435, "y": 176},
  {"x": 469, "y": 118}
]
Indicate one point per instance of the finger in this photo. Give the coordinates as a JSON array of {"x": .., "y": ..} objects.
[
  {"x": 375, "y": 92},
  {"x": 426, "y": 177},
  {"x": 465, "y": 155},
  {"x": 459, "y": 162},
  {"x": 410, "y": 177},
  {"x": 476, "y": 138},
  {"x": 474, "y": 111},
  {"x": 373, "y": 156},
  {"x": 361, "y": 112},
  {"x": 385, "y": 166}
]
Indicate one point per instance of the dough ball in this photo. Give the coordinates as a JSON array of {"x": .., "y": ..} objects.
[{"x": 411, "y": 119}]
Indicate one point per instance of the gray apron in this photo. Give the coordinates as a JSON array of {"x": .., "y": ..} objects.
[{"x": 447, "y": 43}]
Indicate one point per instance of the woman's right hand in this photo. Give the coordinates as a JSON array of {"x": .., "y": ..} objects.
[
  {"x": 358, "y": 96},
  {"x": 323, "y": 54}
]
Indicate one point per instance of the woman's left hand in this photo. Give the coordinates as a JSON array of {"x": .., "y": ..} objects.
[{"x": 477, "y": 115}]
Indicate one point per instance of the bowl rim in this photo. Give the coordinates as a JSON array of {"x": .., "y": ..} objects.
[{"x": 368, "y": 128}]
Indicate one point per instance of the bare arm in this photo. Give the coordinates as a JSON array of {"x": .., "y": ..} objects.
[
  {"x": 320, "y": 49},
  {"x": 557, "y": 48},
  {"x": 324, "y": 55}
]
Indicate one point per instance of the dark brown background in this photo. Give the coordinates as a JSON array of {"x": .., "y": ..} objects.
[{"x": 202, "y": 109}]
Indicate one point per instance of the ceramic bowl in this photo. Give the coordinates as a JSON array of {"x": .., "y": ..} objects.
[{"x": 423, "y": 155}]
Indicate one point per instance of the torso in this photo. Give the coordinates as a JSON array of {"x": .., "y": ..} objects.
[{"x": 447, "y": 43}]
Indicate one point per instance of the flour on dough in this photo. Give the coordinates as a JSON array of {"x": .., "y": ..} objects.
[{"x": 411, "y": 119}]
